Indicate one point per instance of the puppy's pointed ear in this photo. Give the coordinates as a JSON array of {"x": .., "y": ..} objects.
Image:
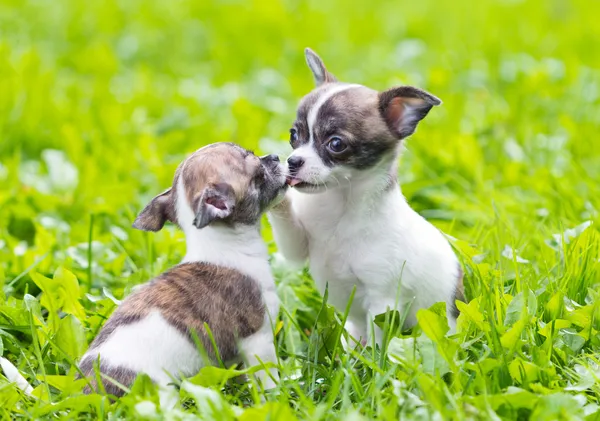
[
  {"x": 215, "y": 202},
  {"x": 318, "y": 68},
  {"x": 156, "y": 213},
  {"x": 402, "y": 108}
]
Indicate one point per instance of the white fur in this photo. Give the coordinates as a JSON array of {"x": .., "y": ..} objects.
[
  {"x": 157, "y": 348},
  {"x": 358, "y": 233},
  {"x": 259, "y": 348},
  {"x": 241, "y": 248},
  {"x": 314, "y": 170},
  {"x": 152, "y": 346},
  {"x": 323, "y": 98}
]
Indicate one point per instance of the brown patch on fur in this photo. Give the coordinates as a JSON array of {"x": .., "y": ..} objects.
[
  {"x": 120, "y": 375},
  {"x": 192, "y": 294}
]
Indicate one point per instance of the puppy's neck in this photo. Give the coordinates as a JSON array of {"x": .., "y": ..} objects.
[
  {"x": 239, "y": 247},
  {"x": 369, "y": 186},
  {"x": 220, "y": 240}
]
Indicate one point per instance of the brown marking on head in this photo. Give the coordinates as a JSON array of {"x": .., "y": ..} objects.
[
  {"x": 220, "y": 163},
  {"x": 354, "y": 127},
  {"x": 192, "y": 294},
  {"x": 352, "y": 116},
  {"x": 220, "y": 182}
]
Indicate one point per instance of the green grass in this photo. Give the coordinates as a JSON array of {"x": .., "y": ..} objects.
[{"x": 99, "y": 101}]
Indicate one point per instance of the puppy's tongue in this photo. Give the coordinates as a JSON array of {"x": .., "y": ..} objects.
[{"x": 293, "y": 181}]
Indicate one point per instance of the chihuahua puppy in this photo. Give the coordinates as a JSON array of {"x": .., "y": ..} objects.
[
  {"x": 224, "y": 281},
  {"x": 346, "y": 213}
]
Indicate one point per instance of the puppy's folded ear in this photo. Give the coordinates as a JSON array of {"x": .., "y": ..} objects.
[
  {"x": 318, "y": 68},
  {"x": 156, "y": 213},
  {"x": 402, "y": 108},
  {"x": 215, "y": 202}
]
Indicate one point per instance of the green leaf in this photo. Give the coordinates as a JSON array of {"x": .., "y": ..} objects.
[
  {"x": 555, "y": 306},
  {"x": 558, "y": 406},
  {"x": 431, "y": 359},
  {"x": 432, "y": 391},
  {"x": 555, "y": 325},
  {"x": 210, "y": 403},
  {"x": 66, "y": 384},
  {"x": 420, "y": 353},
  {"x": 434, "y": 326},
  {"x": 70, "y": 337},
  {"x": 383, "y": 319},
  {"x": 581, "y": 317},
  {"x": 517, "y": 307},
  {"x": 271, "y": 411},
  {"x": 33, "y": 305},
  {"x": 511, "y": 337},
  {"x": 514, "y": 397},
  {"x": 215, "y": 376},
  {"x": 70, "y": 292},
  {"x": 523, "y": 371},
  {"x": 574, "y": 341},
  {"x": 59, "y": 293},
  {"x": 41, "y": 392},
  {"x": 76, "y": 403},
  {"x": 472, "y": 313}
]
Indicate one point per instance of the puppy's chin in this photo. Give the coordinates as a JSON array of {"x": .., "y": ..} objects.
[
  {"x": 279, "y": 198},
  {"x": 310, "y": 188},
  {"x": 339, "y": 177}
]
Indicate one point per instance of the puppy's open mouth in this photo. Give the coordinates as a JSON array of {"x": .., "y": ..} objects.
[{"x": 296, "y": 182}]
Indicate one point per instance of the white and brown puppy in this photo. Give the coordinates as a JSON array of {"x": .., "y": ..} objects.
[
  {"x": 347, "y": 215},
  {"x": 218, "y": 196}
]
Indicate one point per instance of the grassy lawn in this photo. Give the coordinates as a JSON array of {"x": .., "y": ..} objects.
[{"x": 100, "y": 100}]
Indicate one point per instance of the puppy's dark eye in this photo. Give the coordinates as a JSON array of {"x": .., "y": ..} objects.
[
  {"x": 293, "y": 136},
  {"x": 336, "y": 145}
]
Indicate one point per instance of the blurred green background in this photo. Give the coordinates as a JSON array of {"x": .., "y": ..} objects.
[
  {"x": 126, "y": 89},
  {"x": 100, "y": 101}
]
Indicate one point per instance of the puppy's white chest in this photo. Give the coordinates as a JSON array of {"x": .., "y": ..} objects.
[
  {"x": 346, "y": 250},
  {"x": 390, "y": 253},
  {"x": 351, "y": 252}
]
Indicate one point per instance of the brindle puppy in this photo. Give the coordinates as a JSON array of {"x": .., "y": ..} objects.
[{"x": 218, "y": 196}]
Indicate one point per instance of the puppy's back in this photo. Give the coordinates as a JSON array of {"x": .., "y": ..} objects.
[{"x": 185, "y": 298}]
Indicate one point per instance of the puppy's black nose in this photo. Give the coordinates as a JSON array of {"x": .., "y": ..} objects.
[{"x": 294, "y": 163}]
